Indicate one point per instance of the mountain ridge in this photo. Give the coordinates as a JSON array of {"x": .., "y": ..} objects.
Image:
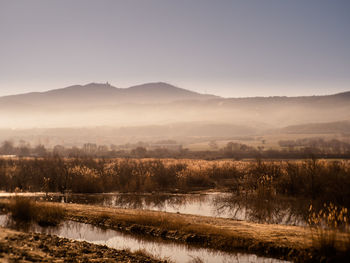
[
  {"x": 144, "y": 93},
  {"x": 159, "y": 86},
  {"x": 160, "y": 103}
]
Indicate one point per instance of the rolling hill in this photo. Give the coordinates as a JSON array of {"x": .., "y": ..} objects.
[
  {"x": 96, "y": 94},
  {"x": 162, "y": 104},
  {"x": 342, "y": 127}
]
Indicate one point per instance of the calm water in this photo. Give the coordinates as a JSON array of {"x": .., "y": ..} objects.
[
  {"x": 156, "y": 247},
  {"x": 273, "y": 211}
]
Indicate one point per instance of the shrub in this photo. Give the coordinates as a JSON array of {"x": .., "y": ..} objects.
[
  {"x": 22, "y": 209},
  {"x": 27, "y": 210},
  {"x": 49, "y": 215}
]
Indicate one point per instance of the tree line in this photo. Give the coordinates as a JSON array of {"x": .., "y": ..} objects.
[{"x": 297, "y": 149}]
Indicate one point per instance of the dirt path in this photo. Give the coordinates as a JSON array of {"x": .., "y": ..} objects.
[{"x": 20, "y": 247}]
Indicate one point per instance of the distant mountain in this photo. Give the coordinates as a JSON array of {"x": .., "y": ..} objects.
[
  {"x": 161, "y": 104},
  {"x": 96, "y": 94}
]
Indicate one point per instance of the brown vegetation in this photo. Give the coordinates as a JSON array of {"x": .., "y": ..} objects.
[
  {"x": 27, "y": 210},
  {"x": 326, "y": 225},
  {"x": 325, "y": 181}
]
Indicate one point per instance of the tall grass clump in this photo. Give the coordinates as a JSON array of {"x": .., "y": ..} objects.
[
  {"x": 27, "y": 210},
  {"x": 330, "y": 231},
  {"x": 22, "y": 209}
]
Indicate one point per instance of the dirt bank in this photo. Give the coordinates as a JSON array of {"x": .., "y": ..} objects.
[
  {"x": 279, "y": 241},
  {"x": 21, "y": 247}
]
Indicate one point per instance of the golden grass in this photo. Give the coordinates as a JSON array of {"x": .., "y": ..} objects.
[
  {"x": 326, "y": 225},
  {"x": 25, "y": 209}
]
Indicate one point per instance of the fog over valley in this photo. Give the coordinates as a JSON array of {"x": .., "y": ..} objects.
[
  {"x": 104, "y": 114},
  {"x": 161, "y": 103}
]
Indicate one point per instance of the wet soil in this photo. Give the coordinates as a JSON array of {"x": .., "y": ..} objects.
[{"x": 22, "y": 247}]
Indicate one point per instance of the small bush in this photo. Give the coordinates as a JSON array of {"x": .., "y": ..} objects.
[
  {"x": 49, "y": 215},
  {"x": 27, "y": 210},
  {"x": 22, "y": 209}
]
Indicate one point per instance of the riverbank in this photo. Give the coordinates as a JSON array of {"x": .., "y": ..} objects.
[
  {"x": 279, "y": 241},
  {"x": 276, "y": 241},
  {"x": 22, "y": 247}
]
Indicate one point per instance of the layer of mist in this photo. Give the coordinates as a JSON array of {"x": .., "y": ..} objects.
[{"x": 162, "y": 111}]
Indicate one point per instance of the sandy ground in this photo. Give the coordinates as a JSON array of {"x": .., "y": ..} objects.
[{"x": 21, "y": 247}]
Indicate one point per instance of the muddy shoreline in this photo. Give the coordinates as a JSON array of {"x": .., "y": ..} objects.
[
  {"x": 277, "y": 241},
  {"x": 22, "y": 247}
]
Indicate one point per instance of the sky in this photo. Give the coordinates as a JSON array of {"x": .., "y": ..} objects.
[{"x": 230, "y": 48}]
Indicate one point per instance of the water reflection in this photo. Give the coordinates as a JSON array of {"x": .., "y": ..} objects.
[
  {"x": 274, "y": 210},
  {"x": 154, "y": 202},
  {"x": 156, "y": 247}
]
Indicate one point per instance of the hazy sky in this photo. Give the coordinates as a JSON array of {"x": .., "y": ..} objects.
[{"x": 230, "y": 48}]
